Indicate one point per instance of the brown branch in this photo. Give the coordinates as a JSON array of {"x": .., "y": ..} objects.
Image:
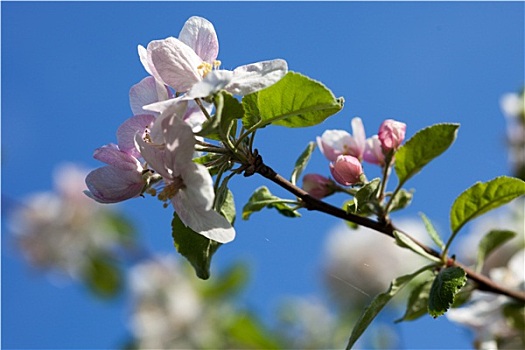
[{"x": 482, "y": 282}]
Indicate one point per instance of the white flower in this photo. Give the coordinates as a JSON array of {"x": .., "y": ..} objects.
[
  {"x": 169, "y": 151},
  {"x": 192, "y": 60}
]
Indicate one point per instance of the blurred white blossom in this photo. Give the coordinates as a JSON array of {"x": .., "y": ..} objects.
[
  {"x": 59, "y": 230},
  {"x": 167, "y": 311},
  {"x": 359, "y": 264},
  {"x": 484, "y": 312}
]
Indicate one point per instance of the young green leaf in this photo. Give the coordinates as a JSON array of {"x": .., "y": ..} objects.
[
  {"x": 432, "y": 231},
  {"x": 417, "y": 304},
  {"x": 482, "y": 197},
  {"x": 102, "y": 275},
  {"x": 365, "y": 200},
  {"x": 294, "y": 101},
  {"x": 196, "y": 248},
  {"x": 489, "y": 242},
  {"x": 404, "y": 241},
  {"x": 262, "y": 198},
  {"x": 424, "y": 146},
  {"x": 401, "y": 200},
  {"x": 373, "y": 309},
  {"x": 232, "y": 110},
  {"x": 444, "y": 288},
  {"x": 302, "y": 162}
]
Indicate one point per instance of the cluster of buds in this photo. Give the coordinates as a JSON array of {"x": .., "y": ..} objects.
[{"x": 346, "y": 152}]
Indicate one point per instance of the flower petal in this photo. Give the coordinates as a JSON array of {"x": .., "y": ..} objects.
[
  {"x": 110, "y": 184},
  {"x": 199, "y": 34},
  {"x": 213, "y": 82},
  {"x": 146, "y": 92},
  {"x": 256, "y": 76},
  {"x": 110, "y": 154},
  {"x": 126, "y": 132},
  {"x": 154, "y": 155},
  {"x": 176, "y": 63},
  {"x": 180, "y": 144}
]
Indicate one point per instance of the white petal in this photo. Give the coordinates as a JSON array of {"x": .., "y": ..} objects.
[
  {"x": 256, "y": 76},
  {"x": 199, "y": 34},
  {"x": 154, "y": 156},
  {"x": 176, "y": 63},
  {"x": 213, "y": 82},
  {"x": 180, "y": 144},
  {"x": 146, "y": 92},
  {"x": 208, "y": 223}
]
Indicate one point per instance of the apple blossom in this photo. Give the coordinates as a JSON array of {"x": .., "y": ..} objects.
[
  {"x": 318, "y": 186},
  {"x": 373, "y": 151},
  {"x": 181, "y": 63},
  {"x": 391, "y": 134},
  {"x": 169, "y": 150},
  {"x": 124, "y": 177},
  {"x": 346, "y": 170},
  {"x": 333, "y": 143}
]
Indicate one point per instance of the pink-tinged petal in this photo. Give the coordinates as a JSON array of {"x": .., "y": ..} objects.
[
  {"x": 358, "y": 133},
  {"x": 175, "y": 106},
  {"x": 213, "y": 82},
  {"x": 126, "y": 132},
  {"x": 110, "y": 184},
  {"x": 146, "y": 92},
  {"x": 318, "y": 186},
  {"x": 110, "y": 154},
  {"x": 333, "y": 143},
  {"x": 391, "y": 134},
  {"x": 256, "y": 76},
  {"x": 199, "y": 34},
  {"x": 176, "y": 63},
  {"x": 373, "y": 151},
  {"x": 194, "y": 115},
  {"x": 154, "y": 155},
  {"x": 208, "y": 223},
  {"x": 180, "y": 144},
  {"x": 145, "y": 59}
]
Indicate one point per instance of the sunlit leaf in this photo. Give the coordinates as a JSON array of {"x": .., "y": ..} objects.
[
  {"x": 424, "y": 146},
  {"x": 432, "y": 231},
  {"x": 294, "y": 101},
  {"x": 417, "y": 304},
  {"x": 483, "y": 197},
  {"x": 263, "y": 198},
  {"x": 404, "y": 241}
]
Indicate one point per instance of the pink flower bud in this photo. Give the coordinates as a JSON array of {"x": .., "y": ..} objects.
[
  {"x": 346, "y": 170},
  {"x": 391, "y": 134},
  {"x": 318, "y": 186}
]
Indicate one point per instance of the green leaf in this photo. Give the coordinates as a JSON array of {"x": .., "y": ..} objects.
[
  {"x": 432, "y": 231},
  {"x": 482, "y": 197},
  {"x": 227, "y": 284},
  {"x": 514, "y": 314},
  {"x": 102, "y": 275},
  {"x": 249, "y": 333},
  {"x": 294, "y": 101},
  {"x": 417, "y": 304},
  {"x": 489, "y": 242},
  {"x": 224, "y": 203},
  {"x": 424, "y": 146},
  {"x": 196, "y": 248},
  {"x": 444, "y": 288},
  {"x": 301, "y": 162},
  {"x": 232, "y": 110},
  {"x": 402, "y": 199},
  {"x": 404, "y": 241},
  {"x": 372, "y": 310},
  {"x": 365, "y": 200},
  {"x": 262, "y": 198}
]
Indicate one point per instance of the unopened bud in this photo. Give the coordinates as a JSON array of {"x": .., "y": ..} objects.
[
  {"x": 318, "y": 186},
  {"x": 391, "y": 134},
  {"x": 346, "y": 170}
]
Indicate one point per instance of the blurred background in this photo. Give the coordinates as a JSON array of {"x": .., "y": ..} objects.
[{"x": 66, "y": 72}]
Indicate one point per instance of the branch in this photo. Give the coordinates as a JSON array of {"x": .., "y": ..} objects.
[{"x": 483, "y": 283}]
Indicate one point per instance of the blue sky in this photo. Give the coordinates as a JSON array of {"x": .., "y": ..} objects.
[{"x": 67, "y": 69}]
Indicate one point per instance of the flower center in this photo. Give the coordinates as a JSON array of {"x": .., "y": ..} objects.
[
  {"x": 204, "y": 68},
  {"x": 170, "y": 190}
]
